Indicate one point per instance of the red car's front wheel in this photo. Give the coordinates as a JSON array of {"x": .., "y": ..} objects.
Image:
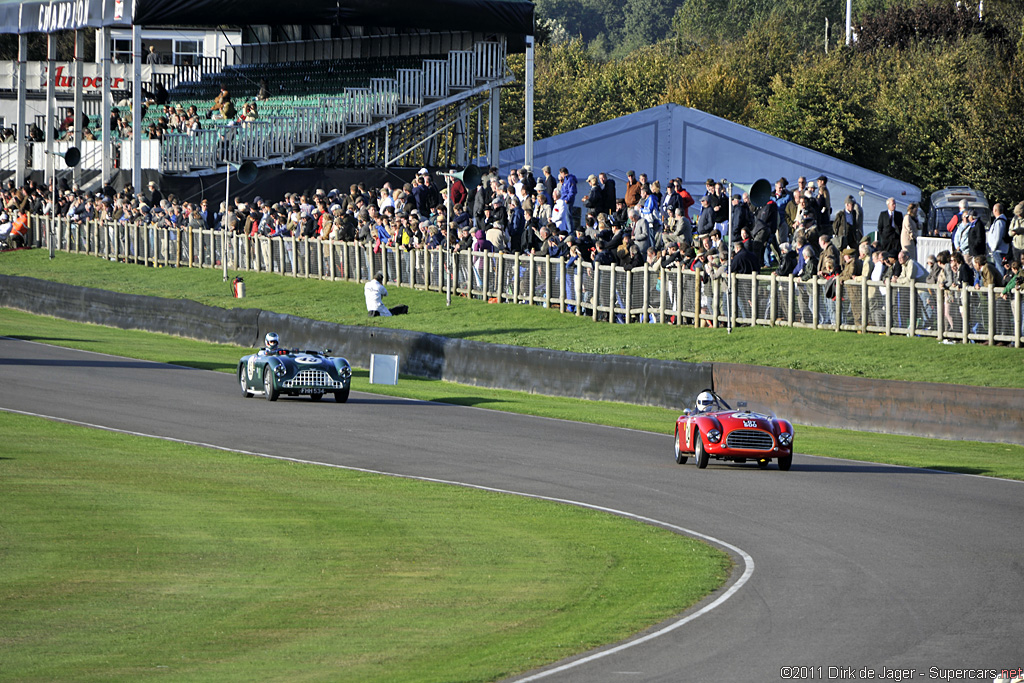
[
  {"x": 680, "y": 455},
  {"x": 700, "y": 456}
]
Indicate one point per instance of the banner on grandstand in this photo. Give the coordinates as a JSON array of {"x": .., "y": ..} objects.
[
  {"x": 19, "y": 16},
  {"x": 510, "y": 17}
]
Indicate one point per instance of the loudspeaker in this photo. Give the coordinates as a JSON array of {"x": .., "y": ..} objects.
[
  {"x": 470, "y": 176},
  {"x": 760, "y": 191},
  {"x": 246, "y": 173},
  {"x": 71, "y": 157}
]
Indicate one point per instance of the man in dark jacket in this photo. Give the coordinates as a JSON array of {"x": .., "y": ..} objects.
[
  {"x": 766, "y": 222},
  {"x": 608, "y": 190},
  {"x": 890, "y": 224},
  {"x": 976, "y": 235},
  {"x": 743, "y": 262}
]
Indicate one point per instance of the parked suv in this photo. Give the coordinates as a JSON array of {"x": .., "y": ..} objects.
[{"x": 945, "y": 204}]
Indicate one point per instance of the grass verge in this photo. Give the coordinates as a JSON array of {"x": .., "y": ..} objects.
[
  {"x": 875, "y": 356},
  {"x": 128, "y": 559},
  {"x": 997, "y": 460}
]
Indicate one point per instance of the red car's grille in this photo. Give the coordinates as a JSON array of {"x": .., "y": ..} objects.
[{"x": 750, "y": 440}]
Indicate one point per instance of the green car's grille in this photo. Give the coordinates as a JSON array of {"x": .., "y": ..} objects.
[{"x": 313, "y": 378}]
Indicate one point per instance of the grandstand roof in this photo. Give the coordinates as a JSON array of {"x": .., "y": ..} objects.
[{"x": 509, "y": 17}]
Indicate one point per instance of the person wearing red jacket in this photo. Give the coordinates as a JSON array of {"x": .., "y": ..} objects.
[{"x": 18, "y": 236}]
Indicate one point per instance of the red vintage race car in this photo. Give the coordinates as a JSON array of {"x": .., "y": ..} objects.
[{"x": 713, "y": 429}]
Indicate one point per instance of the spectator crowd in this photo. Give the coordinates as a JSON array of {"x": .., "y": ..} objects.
[{"x": 794, "y": 231}]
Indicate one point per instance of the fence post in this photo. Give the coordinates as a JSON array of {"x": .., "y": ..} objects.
[
  {"x": 991, "y": 315},
  {"x": 547, "y": 282},
  {"x": 531, "y": 281},
  {"x": 815, "y": 302},
  {"x": 912, "y": 322},
  {"x": 488, "y": 258},
  {"x": 940, "y": 313},
  {"x": 611, "y": 294},
  {"x": 697, "y": 286},
  {"x": 679, "y": 294},
  {"x": 716, "y": 297},
  {"x": 753, "y": 299},
  {"x": 734, "y": 297},
  {"x": 662, "y": 289},
  {"x": 837, "y": 308},
  {"x": 965, "y": 308},
  {"x": 1017, "y": 332},
  {"x": 577, "y": 287},
  {"x": 516, "y": 280},
  {"x": 629, "y": 295},
  {"x": 597, "y": 290}
]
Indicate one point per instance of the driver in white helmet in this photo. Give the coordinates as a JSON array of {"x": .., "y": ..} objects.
[
  {"x": 271, "y": 345},
  {"x": 706, "y": 402}
]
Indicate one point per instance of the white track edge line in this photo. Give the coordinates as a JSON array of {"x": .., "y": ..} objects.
[{"x": 748, "y": 561}]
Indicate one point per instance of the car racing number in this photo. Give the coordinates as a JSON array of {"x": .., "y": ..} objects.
[
  {"x": 307, "y": 360},
  {"x": 251, "y": 369}
]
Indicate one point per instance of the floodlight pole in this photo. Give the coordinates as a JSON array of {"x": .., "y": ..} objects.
[
  {"x": 224, "y": 215},
  {"x": 728, "y": 261},
  {"x": 448, "y": 253},
  {"x": 53, "y": 210}
]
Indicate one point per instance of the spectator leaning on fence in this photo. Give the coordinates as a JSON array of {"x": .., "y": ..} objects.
[{"x": 517, "y": 215}]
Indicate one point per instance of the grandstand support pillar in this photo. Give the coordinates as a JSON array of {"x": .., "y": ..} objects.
[
  {"x": 137, "y": 108},
  {"x": 528, "y": 104},
  {"x": 430, "y": 156},
  {"x": 493, "y": 125},
  {"x": 76, "y": 172},
  {"x": 51, "y": 105},
  {"x": 461, "y": 159},
  {"x": 105, "y": 110},
  {"x": 21, "y": 131},
  {"x": 849, "y": 21}
]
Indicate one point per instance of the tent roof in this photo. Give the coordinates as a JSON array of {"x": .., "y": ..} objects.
[
  {"x": 672, "y": 141},
  {"x": 510, "y": 17}
]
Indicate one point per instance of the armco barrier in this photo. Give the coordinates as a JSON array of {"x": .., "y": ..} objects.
[
  {"x": 625, "y": 379},
  {"x": 942, "y": 411},
  {"x": 912, "y": 408},
  {"x": 129, "y": 311}
]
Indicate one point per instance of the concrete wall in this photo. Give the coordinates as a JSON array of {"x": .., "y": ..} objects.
[{"x": 912, "y": 408}]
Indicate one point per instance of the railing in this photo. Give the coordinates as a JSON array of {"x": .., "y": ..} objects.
[{"x": 604, "y": 293}]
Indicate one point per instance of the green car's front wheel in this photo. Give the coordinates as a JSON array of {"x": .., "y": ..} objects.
[
  {"x": 341, "y": 396},
  {"x": 268, "y": 384},
  {"x": 241, "y": 381}
]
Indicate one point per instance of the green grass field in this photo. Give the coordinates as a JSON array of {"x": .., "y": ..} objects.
[
  {"x": 107, "y": 580},
  {"x": 919, "y": 359},
  {"x": 129, "y": 559}
]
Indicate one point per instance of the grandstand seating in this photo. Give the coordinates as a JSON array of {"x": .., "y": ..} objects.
[{"x": 315, "y": 100}]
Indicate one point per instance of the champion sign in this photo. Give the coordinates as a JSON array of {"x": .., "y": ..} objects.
[{"x": 59, "y": 16}]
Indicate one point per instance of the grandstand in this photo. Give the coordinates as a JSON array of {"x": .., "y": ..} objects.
[{"x": 349, "y": 85}]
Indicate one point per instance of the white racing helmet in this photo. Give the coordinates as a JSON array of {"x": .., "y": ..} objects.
[
  {"x": 271, "y": 341},
  {"x": 706, "y": 402}
]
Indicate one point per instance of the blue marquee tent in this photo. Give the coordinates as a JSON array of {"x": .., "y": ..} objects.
[{"x": 672, "y": 141}]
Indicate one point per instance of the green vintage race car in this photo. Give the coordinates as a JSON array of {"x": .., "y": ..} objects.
[{"x": 295, "y": 373}]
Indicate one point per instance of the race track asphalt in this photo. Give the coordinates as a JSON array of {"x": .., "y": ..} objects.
[{"x": 856, "y": 565}]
